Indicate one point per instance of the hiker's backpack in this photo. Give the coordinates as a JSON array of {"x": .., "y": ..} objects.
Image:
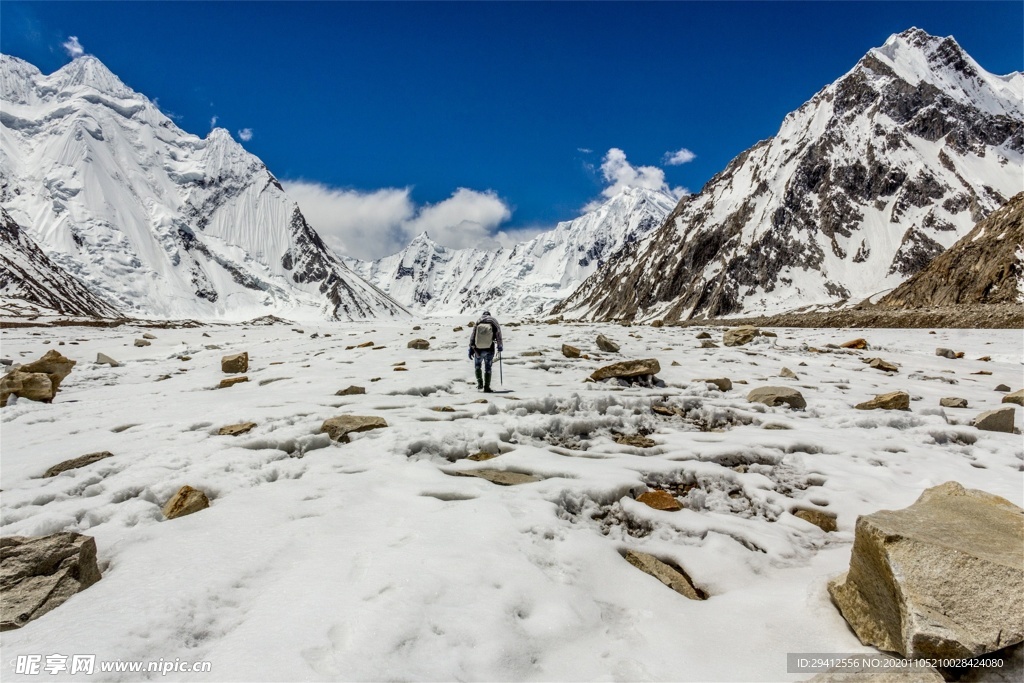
[{"x": 484, "y": 336}]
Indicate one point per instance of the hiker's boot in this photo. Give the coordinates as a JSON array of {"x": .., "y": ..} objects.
[
  {"x": 480, "y": 379},
  {"x": 487, "y": 383}
]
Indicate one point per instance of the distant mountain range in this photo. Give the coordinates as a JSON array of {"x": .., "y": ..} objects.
[
  {"x": 861, "y": 188},
  {"x": 109, "y": 209}
]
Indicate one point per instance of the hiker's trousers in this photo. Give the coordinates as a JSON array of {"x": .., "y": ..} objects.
[{"x": 485, "y": 356}]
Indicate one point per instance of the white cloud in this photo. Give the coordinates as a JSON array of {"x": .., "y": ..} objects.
[
  {"x": 73, "y": 47},
  {"x": 245, "y": 134},
  {"x": 213, "y": 121},
  {"x": 584, "y": 150},
  {"x": 679, "y": 157},
  {"x": 369, "y": 225},
  {"x": 620, "y": 174}
]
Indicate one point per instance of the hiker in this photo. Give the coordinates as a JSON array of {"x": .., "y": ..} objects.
[{"x": 482, "y": 340}]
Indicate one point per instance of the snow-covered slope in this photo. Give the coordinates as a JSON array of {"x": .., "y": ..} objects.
[
  {"x": 863, "y": 185},
  {"x": 527, "y": 279},
  {"x": 155, "y": 221}
]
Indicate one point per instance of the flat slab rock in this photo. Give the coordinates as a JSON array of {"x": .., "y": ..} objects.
[
  {"x": 499, "y": 477},
  {"x": 236, "y": 429},
  {"x": 666, "y": 573},
  {"x": 777, "y": 396},
  {"x": 75, "y": 463},
  {"x": 627, "y": 369},
  {"x": 660, "y": 500},
  {"x": 338, "y": 428},
  {"x": 942, "y": 578},
  {"x": 39, "y": 574},
  {"x": 894, "y": 400}
]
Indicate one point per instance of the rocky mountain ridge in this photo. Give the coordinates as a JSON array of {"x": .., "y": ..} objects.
[{"x": 861, "y": 188}]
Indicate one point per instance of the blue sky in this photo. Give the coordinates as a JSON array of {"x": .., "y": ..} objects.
[{"x": 386, "y": 110}]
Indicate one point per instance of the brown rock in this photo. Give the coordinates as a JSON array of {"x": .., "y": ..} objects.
[
  {"x": 635, "y": 440},
  {"x": 457, "y": 329},
  {"x": 338, "y": 428},
  {"x": 606, "y": 344},
  {"x": 419, "y": 344},
  {"x": 232, "y": 381},
  {"x": 186, "y": 501},
  {"x": 34, "y": 386},
  {"x": 75, "y": 463},
  {"x": 738, "y": 336},
  {"x": 236, "y": 429},
  {"x": 999, "y": 420},
  {"x": 703, "y": 335},
  {"x": 660, "y": 500},
  {"x": 1016, "y": 397},
  {"x": 53, "y": 365},
  {"x": 673, "y": 577},
  {"x": 627, "y": 369},
  {"x": 570, "y": 351},
  {"x": 39, "y": 574},
  {"x": 723, "y": 383},
  {"x": 234, "y": 363},
  {"x": 985, "y": 359},
  {"x": 401, "y": 369},
  {"x": 953, "y": 402},
  {"x": 826, "y": 521},
  {"x": 658, "y": 323},
  {"x": 855, "y": 344},
  {"x": 482, "y": 456},
  {"x": 1002, "y": 387},
  {"x": 883, "y": 365},
  {"x": 776, "y": 396},
  {"x": 894, "y": 400},
  {"x": 350, "y": 391}
]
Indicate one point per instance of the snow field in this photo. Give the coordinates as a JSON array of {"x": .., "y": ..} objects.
[{"x": 369, "y": 560}]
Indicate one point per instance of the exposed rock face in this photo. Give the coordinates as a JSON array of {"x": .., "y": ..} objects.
[
  {"x": 894, "y": 400},
  {"x": 871, "y": 178},
  {"x": 660, "y": 500},
  {"x": 983, "y": 267},
  {"x": 186, "y": 501},
  {"x": 664, "y": 572},
  {"x": 826, "y": 521},
  {"x": 627, "y": 369},
  {"x": 570, "y": 351},
  {"x": 738, "y": 336},
  {"x": 999, "y": 420},
  {"x": 237, "y": 362},
  {"x": 1016, "y": 397},
  {"x": 351, "y": 391},
  {"x": 338, "y": 428},
  {"x": 953, "y": 402},
  {"x": 39, "y": 574},
  {"x": 75, "y": 463},
  {"x": 776, "y": 396},
  {"x": 606, "y": 344},
  {"x": 942, "y": 578},
  {"x": 420, "y": 344}
]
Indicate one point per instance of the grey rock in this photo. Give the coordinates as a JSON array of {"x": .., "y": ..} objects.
[
  {"x": 147, "y": 335},
  {"x": 883, "y": 365},
  {"x": 351, "y": 391},
  {"x": 39, "y": 574},
  {"x": 75, "y": 463},
  {"x": 570, "y": 351},
  {"x": 723, "y": 383},
  {"x": 998, "y": 420},
  {"x": 419, "y": 344},
  {"x": 775, "y": 396},
  {"x": 142, "y": 342},
  {"x": 1016, "y": 397},
  {"x": 500, "y": 477},
  {"x": 627, "y": 369},
  {"x": 606, "y": 344},
  {"x": 953, "y": 402},
  {"x": 708, "y": 344},
  {"x": 943, "y": 578},
  {"x": 232, "y": 381},
  {"x": 338, "y": 428},
  {"x": 104, "y": 359},
  {"x": 945, "y": 353}
]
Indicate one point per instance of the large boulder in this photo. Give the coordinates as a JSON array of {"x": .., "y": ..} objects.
[
  {"x": 1016, "y": 397},
  {"x": 235, "y": 363},
  {"x": 945, "y": 353},
  {"x": 627, "y": 369},
  {"x": 338, "y": 428},
  {"x": 53, "y": 365},
  {"x": 39, "y": 574},
  {"x": 999, "y": 420},
  {"x": 943, "y": 578},
  {"x": 570, "y": 351},
  {"x": 186, "y": 501},
  {"x": 776, "y": 396},
  {"x": 738, "y": 336},
  {"x": 35, "y": 386},
  {"x": 894, "y": 400},
  {"x": 75, "y": 463},
  {"x": 606, "y": 344}
]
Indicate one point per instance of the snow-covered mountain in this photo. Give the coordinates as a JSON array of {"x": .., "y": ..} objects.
[
  {"x": 862, "y": 186},
  {"x": 525, "y": 280},
  {"x": 157, "y": 222}
]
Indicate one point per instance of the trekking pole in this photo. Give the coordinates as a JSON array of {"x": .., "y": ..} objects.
[{"x": 501, "y": 374}]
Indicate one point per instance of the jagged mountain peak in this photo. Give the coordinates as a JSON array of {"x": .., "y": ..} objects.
[{"x": 89, "y": 71}]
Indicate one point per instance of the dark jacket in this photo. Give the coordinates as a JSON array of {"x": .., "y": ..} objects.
[{"x": 487, "y": 320}]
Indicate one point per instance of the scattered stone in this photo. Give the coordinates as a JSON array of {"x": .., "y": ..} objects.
[
  {"x": 658, "y": 323},
  {"x": 416, "y": 328},
  {"x": 205, "y": 334},
  {"x": 338, "y": 428},
  {"x": 75, "y": 463},
  {"x": 401, "y": 368},
  {"x": 34, "y": 386},
  {"x": 998, "y": 420},
  {"x": 499, "y": 477},
  {"x": 236, "y": 429},
  {"x": 768, "y": 334},
  {"x": 104, "y": 359},
  {"x": 703, "y": 335},
  {"x": 351, "y": 391},
  {"x": 531, "y": 354},
  {"x": 635, "y": 440},
  {"x": 788, "y": 374},
  {"x": 375, "y": 379},
  {"x": 723, "y": 383},
  {"x": 774, "y": 396},
  {"x": 894, "y": 400},
  {"x": 666, "y": 573},
  {"x": 419, "y": 344},
  {"x": 142, "y": 342},
  {"x": 985, "y": 359},
  {"x": 444, "y": 409},
  {"x": 41, "y": 573},
  {"x": 663, "y": 410},
  {"x": 365, "y": 345},
  {"x": 708, "y": 344},
  {"x": 6, "y": 361},
  {"x": 953, "y": 402},
  {"x": 826, "y": 521},
  {"x": 570, "y": 351},
  {"x": 627, "y": 369},
  {"x": 186, "y": 501},
  {"x": 959, "y": 354},
  {"x": 482, "y": 456},
  {"x": 606, "y": 344},
  {"x": 480, "y": 400},
  {"x": 1016, "y": 397},
  {"x": 1002, "y": 387},
  {"x": 738, "y": 336},
  {"x": 883, "y": 365},
  {"x": 676, "y": 364},
  {"x": 943, "y": 578},
  {"x": 471, "y": 323},
  {"x": 981, "y": 372},
  {"x": 238, "y": 362},
  {"x": 945, "y": 353},
  {"x": 457, "y": 329},
  {"x": 660, "y": 500},
  {"x": 855, "y": 344},
  {"x": 147, "y": 335},
  {"x": 232, "y": 381}
]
